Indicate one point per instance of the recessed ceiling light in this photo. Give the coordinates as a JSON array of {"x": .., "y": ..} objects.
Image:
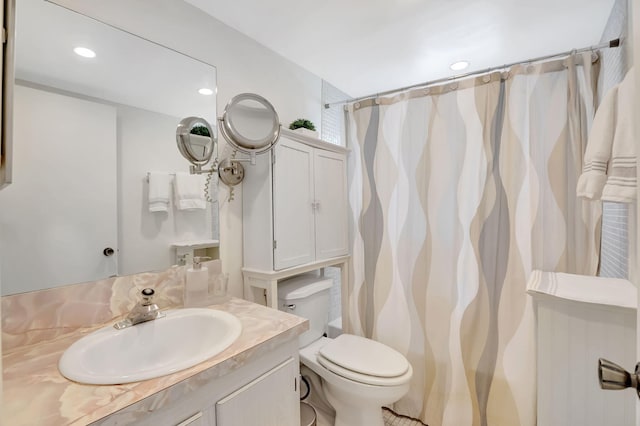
[
  {"x": 205, "y": 91},
  {"x": 84, "y": 52},
  {"x": 459, "y": 66}
]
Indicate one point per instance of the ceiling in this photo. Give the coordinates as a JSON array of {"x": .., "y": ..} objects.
[
  {"x": 368, "y": 46},
  {"x": 126, "y": 70}
]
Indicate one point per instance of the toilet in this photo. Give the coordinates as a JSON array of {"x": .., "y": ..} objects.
[{"x": 359, "y": 375}]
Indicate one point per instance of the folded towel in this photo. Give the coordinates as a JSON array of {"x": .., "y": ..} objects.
[
  {"x": 583, "y": 288},
  {"x": 159, "y": 191},
  {"x": 189, "y": 192},
  {"x": 609, "y": 171}
]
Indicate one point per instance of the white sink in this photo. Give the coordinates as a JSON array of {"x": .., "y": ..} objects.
[{"x": 181, "y": 339}]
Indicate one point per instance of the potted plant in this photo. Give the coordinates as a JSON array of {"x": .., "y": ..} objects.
[
  {"x": 304, "y": 126},
  {"x": 199, "y": 139},
  {"x": 200, "y": 131}
]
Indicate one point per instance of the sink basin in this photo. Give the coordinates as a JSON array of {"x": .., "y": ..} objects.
[{"x": 181, "y": 339}]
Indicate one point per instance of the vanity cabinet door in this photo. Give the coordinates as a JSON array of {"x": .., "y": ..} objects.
[
  {"x": 293, "y": 222},
  {"x": 197, "y": 419},
  {"x": 270, "y": 400}
]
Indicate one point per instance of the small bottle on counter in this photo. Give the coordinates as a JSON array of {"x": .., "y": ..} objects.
[{"x": 196, "y": 286}]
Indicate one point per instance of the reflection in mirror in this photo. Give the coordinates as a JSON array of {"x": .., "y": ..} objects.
[
  {"x": 95, "y": 111},
  {"x": 195, "y": 140}
]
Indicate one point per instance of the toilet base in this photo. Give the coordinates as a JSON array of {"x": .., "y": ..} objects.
[
  {"x": 348, "y": 414},
  {"x": 367, "y": 417}
]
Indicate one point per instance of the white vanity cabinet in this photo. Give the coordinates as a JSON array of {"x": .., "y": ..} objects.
[
  {"x": 269, "y": 400},
  {"x": 262, "y": 392},
  {"x": 294, "y": 212}
]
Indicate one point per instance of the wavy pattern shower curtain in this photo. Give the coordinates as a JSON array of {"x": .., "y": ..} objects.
[{"x": 457, "y": 192}]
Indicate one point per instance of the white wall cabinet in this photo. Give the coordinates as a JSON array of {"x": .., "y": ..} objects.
[
  {"x": 295, "y": 204},
  {"x": 294, "y": 212},
  {"x": 309, "y": 204}
]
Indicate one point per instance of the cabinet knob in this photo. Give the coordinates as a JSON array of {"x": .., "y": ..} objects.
[
  {"x": 613, "y": 377},
  {"x": 108, "y": 251}
]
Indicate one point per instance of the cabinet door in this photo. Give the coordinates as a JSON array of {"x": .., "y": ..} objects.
[
  {"x": 293, "y": 223},
  {"x": 330, "y": 179},
  {"x": 270, "y": 400}
]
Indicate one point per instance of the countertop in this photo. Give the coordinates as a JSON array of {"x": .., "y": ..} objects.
[{"x": 36, "y": 393}]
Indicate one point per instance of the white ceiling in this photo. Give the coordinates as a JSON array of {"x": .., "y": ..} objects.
[
  {"x": 127, "y": 69},
  {"x": 367, "y": 46}
]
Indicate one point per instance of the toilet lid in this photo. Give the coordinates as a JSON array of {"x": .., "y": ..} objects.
[
  {"x": 364, "y": 378},
  {"x": 364, "y": 356}
]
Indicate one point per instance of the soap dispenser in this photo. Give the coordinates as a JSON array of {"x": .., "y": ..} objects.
[{"x": 196, "y": 287}]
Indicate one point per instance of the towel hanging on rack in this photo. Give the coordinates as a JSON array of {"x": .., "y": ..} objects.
[
  {"x": 159, "y": 191},
  {"x": 189, "y": 192},
  {"x": 609, "y": 170}
]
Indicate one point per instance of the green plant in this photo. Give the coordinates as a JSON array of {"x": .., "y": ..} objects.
[
  {"x": 200, "y": 131},
  {"x": 302, "y": 122}
]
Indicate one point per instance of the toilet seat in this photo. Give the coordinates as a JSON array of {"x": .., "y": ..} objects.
[
  {"x": 364, "y": 378},
  {"x": 364, "y": 360}
]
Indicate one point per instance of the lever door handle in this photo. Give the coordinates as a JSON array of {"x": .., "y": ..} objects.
[{"x": 614, "y": 377}]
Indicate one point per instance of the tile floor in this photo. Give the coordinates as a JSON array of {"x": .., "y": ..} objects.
[{"x": 390, "y": 419}]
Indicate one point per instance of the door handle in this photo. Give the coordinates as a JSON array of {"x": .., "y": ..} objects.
[{"x": 614, "y": 377}]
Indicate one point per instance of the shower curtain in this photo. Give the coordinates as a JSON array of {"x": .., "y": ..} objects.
[{"x": 457, "y": 192}]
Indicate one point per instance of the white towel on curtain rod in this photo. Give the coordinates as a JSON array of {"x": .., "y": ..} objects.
[{"x": 609, "y": 170}]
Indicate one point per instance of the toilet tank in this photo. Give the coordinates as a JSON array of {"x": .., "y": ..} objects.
[{"x": 307, "y": 296}]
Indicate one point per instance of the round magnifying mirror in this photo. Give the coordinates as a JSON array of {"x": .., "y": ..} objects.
[
  {"x": 195, "y": 140},
  {"x": 250, "y": 123}
]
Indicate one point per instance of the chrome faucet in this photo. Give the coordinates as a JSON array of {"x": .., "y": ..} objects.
[{"x": 144, "y": 311}]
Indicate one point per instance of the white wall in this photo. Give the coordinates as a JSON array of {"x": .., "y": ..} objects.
[{"x": 242, "y": 65}]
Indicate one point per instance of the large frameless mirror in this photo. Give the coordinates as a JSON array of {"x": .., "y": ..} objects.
[{"x": 96, "y": 110}]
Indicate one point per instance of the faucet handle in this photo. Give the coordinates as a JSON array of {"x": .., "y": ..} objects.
[{"x": 147, "y": 296}]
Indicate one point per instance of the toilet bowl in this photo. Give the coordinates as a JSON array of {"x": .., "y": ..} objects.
[
  {"x": 359, "y": 375},
  {"x": 356, "y": 397}
]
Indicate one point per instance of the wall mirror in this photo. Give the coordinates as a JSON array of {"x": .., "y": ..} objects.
[
  {"x": 96, "y": 110},
  {"x": 250, "y": 123},
  {"x": 196, "y": 140}
]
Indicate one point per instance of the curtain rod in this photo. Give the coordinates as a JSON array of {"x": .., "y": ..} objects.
[{"x": 611, "y": 43}]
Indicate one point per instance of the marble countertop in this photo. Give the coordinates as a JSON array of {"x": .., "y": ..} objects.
[{"x": 36, "y": 393}]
